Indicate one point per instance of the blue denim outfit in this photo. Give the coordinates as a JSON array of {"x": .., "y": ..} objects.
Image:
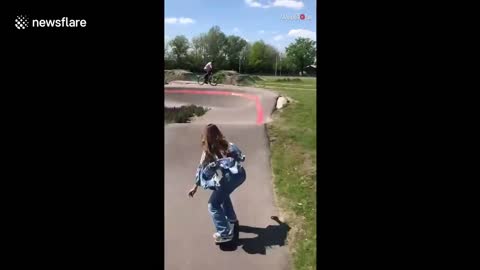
[{"x": 222, "y": 176}]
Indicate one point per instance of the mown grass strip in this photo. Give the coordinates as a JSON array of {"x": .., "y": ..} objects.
[
  {"x": 293, "y": 148},
  {"x": 288, "y": 77},
  {"x": 290, "y": 85},
  {"x": 276, "y": 87}
]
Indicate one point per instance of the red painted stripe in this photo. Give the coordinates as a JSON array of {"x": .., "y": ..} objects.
[{"x": 254, "y": 98}]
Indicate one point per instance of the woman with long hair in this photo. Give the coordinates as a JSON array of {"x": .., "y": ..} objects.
[{"x": 220, "y": 170}]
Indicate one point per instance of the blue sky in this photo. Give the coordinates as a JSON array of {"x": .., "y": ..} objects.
[{"x": 273, "y": 21}]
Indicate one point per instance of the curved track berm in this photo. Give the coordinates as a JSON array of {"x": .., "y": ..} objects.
[{"x": 241, "y": 113}]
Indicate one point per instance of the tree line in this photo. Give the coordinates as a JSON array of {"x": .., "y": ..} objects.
[{"x": 235, "y": 53}]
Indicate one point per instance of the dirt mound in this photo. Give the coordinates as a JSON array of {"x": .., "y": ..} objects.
[
  {"x": 229, "y": 72},
  {"x": 223, "y": 76},
  {"x": 179, "y": 74},
  {"x": 234, "y": 78}
]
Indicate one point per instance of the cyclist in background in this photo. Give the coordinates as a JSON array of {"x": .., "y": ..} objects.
[{"x": 209, "y": 69}]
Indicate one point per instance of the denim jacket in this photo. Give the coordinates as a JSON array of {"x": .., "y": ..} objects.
[{"x": 208, "y": 176}]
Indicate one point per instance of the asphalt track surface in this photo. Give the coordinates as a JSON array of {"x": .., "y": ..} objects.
[{"x": 241, "y": 114}]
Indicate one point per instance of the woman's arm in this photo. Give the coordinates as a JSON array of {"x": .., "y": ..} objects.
[
  {"x": 193, "y": 190},
  {"x": 199, "y": 170}
]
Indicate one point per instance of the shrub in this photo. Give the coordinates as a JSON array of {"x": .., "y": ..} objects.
[{"x": 183, "y": 113}]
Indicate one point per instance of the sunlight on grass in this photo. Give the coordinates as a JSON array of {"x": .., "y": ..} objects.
[{"x": 293, "y": 135}]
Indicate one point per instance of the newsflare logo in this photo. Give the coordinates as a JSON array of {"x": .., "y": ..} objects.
[{"x": 22, "y": 22}]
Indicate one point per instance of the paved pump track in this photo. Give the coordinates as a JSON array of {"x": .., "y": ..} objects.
[{"x": 241, "y": 114}]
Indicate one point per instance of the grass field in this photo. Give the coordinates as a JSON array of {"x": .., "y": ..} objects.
[{"x": 294, "y": 157}]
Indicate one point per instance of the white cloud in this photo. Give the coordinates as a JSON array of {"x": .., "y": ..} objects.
[
  {"x": 288, "y": 4},
  {"x": 252, "y": 3},
  {"x": 170, "y": 20},
  {"x": 278, "y": 37},
  {"x": 302, "y": 33},
  {"x": 236, "y": 30},
  {"x": 294, "y": 4},
  {"x": 261, "y": 32},
  {"x": 186, "y": 20},
  {"x": 180, "y": 20}
]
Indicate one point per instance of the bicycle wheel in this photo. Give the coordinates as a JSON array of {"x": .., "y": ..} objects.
[
  {"x": 200, "y": 80},
  {"x": 213, "y": 81}
]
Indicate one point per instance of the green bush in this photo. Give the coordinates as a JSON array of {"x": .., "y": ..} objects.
[
  {"x": 183, "y": 113},
  {"x": 220, "y": 76}
]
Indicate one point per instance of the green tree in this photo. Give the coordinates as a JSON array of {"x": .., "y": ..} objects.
[
  {"x": 215, "y": 46},
  {"x": 289, "y": 67},
  {"x": 271, "y": 57},
  {"x": 243, "y": 58},
  {"x": 262, "y": 57},
  {"x": 199, "y": 53},
  {"x": 233, "y": 49},
  {"x": 256, "y": 56},
  {"x": 169, "y": 57},
  {"x": 302, "y": 52},
  {"x": 179, "y": 46}
]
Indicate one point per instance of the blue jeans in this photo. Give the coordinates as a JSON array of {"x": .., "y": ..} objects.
[{"x": 220, "y": 205}]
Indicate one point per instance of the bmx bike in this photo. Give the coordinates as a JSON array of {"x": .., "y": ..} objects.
[{"x": 212, "y": 80}]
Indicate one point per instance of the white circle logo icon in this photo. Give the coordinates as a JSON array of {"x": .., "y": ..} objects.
[{"x": 21, "y": 22}]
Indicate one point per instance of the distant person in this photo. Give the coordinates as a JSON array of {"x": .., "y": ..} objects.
[
  {"x": 209, "y": 69},
  {"x": 220, "y": 155}
]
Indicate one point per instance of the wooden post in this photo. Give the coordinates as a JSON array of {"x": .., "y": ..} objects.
[{"x": 276, "y": 57}]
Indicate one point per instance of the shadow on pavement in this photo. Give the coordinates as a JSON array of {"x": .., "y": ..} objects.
[{"x": 272, "y": 235}]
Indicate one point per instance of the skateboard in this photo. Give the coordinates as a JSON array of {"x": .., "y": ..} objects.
[{"x": 235, "y": 237}]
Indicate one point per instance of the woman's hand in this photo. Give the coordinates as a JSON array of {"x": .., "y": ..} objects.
[{"x": 192, "y": 191}]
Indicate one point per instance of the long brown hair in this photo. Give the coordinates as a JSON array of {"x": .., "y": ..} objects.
[{"x": 213, "y": 143}]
